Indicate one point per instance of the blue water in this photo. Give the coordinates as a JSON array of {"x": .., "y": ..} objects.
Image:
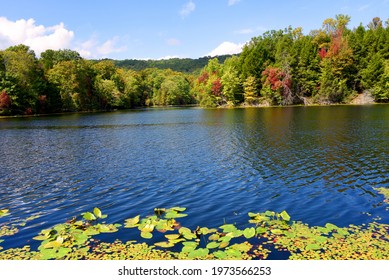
[{"x": 320, "y": 164}]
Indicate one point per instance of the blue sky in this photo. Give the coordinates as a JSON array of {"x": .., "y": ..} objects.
[{"x": 158, "y": 29}]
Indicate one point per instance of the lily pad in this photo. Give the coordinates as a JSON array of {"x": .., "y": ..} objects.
[
  {"x": 89, "y": 216},
  {"x": 313, "y": 247},
  {"x": 97, "y": 212},
  {"x": 132, "y": 222},
  {"x": 249, "y": 232},
  {"x": 285, "y": 216},
  {"x": 146, "y": 234},
  {"x": 228, "y": 227},
  {"x": 220, "y": 255},
  {"x": 164, "y": 244},
  {"x": 172, "y": 236},
  {"x": 213, "y": 245}
]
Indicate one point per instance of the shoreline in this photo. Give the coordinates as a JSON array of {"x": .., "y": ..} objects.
[{"x": 241, "y": 106}]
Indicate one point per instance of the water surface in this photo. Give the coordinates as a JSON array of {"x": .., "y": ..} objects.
[{"x": 321, "y": 164}]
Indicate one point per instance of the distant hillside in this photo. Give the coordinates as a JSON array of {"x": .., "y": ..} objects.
[{"x": 186, "y": 65}]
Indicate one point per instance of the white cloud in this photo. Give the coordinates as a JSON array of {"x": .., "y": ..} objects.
[
  {"x": 38, "y": 37},
  {"x": 173, "y": 42},
  {"x": 226, "y": 48},
  {"x": 187, "y": 9},
  {"x": 232, "y": 2},
  {"x": 92, "y": 48}
]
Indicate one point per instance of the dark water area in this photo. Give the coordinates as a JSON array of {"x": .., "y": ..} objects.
[{"x": 320, "y": 164}]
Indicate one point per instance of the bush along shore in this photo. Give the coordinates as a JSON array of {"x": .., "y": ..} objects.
[{"x": 162, "y": 237}]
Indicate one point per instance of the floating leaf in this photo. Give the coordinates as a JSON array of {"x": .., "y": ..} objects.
[
  {"x": 146, "y": 234},
  {"x": 89, "y": 216},
  {"x": 132, "y": 222},
  {"x": 276, "y": 231},
  {"x": 233, "y": 253},
  {"x": 220, "y": 255},
  {"x": 174, "y": 214},
  {"x": 4, "y": 212},
  {"x": 147, "y": 228},
  {"x": 178, "y": 209},
  {"x": 342, "y": 232},
  {"x": 187, "y": 249},
  {"x": 184, "y": 230},
  {"x": 261, "y": 230},
  {"x": 285, "y": 216},
  {"x": 213, "y": 245},
  {"x": 190, "y": 244},
  {"x": 312, "y": 247},
  {"x": 228, "y": 228},
  {"x": 172, "y": 236},
  {"x": 97, "y": 212},
  {"x": 199, "y": 253},
  {"x": 164, "y": 244},
  {"x": 252, "y": 215},
  {"x": 321, "y": 239},
  {"x": 330, "y": 226},
  {"x": 52, "y": 244},
  {"x": 223, "y": 244},
  {"x": 242, "y": 247},
  {"x": 214, "y": 237},
  {"x": 249, "y": 232}
]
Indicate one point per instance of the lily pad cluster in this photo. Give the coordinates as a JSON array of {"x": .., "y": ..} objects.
[
  {"x": 163, "y": 237},
  {"x": 73, "y": 237}
]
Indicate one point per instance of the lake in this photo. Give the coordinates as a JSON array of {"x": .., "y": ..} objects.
[{"x": 320, "y": 164}]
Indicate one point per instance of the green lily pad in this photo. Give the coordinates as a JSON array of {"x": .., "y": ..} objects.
[
  {"x": 89, "y": 216},
  {"x": 174, "y": 215},
  {"x": 228, "y": 228},
  {"x": 184, "y": 230},
  {"x": 249, "y": 232},
  {"x": 172, "y": 236},
  {"x": 261, "y": 230},
  {"x": 313, "y": 247},
  {"x": 331, "y": 227},
  {"x": 132, "y": 222},
  {"x": 178, "y": 209},
  {"x": 213, "y": 245},
  {"x": 214, "y": 237},
  {"x": 146, "y": 234},
  {"x": 285, "y": 216},
  {"x": 221, "y": 255},
  {"x": 97, "y": 212},
  {"x": 164, "y": 244},
  {"x": 276, "y": 231}
]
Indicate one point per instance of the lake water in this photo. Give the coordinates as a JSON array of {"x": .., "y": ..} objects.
[{"x": 321, "y": 164}]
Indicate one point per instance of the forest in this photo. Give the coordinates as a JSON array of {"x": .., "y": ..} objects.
[{"x": 330, "y": 65}]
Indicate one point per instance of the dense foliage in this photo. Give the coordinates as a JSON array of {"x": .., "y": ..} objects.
[
  {"x": 329, "y": 65},
  {"x": 185, "y": 65}
]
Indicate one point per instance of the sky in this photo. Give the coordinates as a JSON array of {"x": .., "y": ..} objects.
[{"x": 162, "y": 29}]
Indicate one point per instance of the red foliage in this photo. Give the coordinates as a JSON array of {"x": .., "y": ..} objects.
[
  {"x": 5, "y": 100},
  {"x": 322, "y": 53},
  {"x": 203, "y": 78},
  {"x": 217, "y": 87},
  {"x": 276, "y": 78},
  {"x": 28, "y": 111}
]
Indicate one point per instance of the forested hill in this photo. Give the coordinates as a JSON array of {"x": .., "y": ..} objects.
[
  {"x": 330, "y": 65},
  {"x": 186, "y": 65}
]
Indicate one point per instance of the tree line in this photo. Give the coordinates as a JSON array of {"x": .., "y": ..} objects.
[{"x": 280, "y": 67}]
